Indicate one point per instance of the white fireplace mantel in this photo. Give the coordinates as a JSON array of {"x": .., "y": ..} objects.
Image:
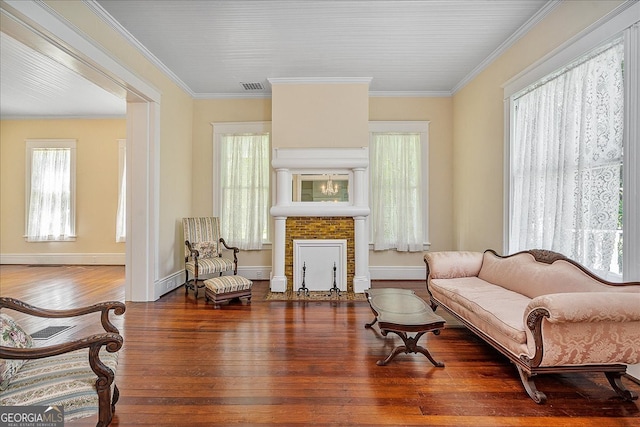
[{"x": 351, "y": 161}]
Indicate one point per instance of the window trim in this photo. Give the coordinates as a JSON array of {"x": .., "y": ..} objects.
[
  {"x": 622, "y": 20},
  {"x": 30, "y": 146},
  {"x": 421, "y": 127},
  {"x": 223, "y": 128}
]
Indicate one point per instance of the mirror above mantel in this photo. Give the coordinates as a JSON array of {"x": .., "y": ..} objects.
[{"x": 329, "y": 187}]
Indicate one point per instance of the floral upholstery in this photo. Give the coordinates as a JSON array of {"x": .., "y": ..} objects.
[
  {"x": 66, "y": 380},
  {"x": 447, "y": 265},
  {"x": 203, "y": 235},
  {"x": 523, "y": 274},
  {"x": 545, "y": 314},
  {"x": 203, "y": 232},
  {"x": 77, "y": 373},
  {"x": 587, "y": 328},
  {"x": 11, "y": 335}
]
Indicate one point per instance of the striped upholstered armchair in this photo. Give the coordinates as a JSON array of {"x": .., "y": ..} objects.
[{"x": 204, "y": 251}]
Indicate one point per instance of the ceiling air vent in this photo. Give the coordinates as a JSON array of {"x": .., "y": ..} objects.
[{"x": 252, "y": 86}]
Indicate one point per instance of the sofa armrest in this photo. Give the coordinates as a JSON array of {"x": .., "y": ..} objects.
[
  {"x": 583, "y": 328},
  {"x": 589, "y": 307},
  {"x": 104, "y": 308},
  {"x": 452, "y": 264},
  {"x": 112, "y": 342}
]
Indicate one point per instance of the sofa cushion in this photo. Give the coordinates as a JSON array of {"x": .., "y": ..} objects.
[
  {"x": 447, "y": 265},
  {"x": 11, "y": 335},
  {"x": 494, "y": 305},
  {"x": 66, "y": 380},
  {"x": 226, "y": 284},
  {"x": 521, "y": 273}
]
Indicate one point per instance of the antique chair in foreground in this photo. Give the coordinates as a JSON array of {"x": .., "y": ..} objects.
[
  {"x": 203, "y": 251},
  {"x": 78, "y": 374}
]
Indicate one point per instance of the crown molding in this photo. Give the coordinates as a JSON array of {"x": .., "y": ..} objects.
[
  {"x": 372, "y": 94},
  {"x": 411, "y": 94},
  {"x": 259, "y": 95},
  {"x": 319, "y": 80},
  {"x": 99, "y": 11},
  {"x": 520, "y": 32}
]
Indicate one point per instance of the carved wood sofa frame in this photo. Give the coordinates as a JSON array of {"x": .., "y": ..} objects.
[
  {"x": 527, "y": 367},
  {"x": 111, "y": 340}
]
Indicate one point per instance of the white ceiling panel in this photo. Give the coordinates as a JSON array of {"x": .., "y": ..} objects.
[
  {"x": 33, "y": 85},
  {"x": 211, "y": 47},
  {"x": 405, "y": 46}
]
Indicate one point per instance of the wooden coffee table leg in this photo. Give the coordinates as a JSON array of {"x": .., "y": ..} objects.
[
  {"x": 369, "y": 325},
  {"x": 410, "y": 346}
]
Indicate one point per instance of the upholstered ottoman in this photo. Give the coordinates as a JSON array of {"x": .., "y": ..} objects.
[{"x": 225, "y": 288}]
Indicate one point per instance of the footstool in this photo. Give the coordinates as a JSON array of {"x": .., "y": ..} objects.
[{"x": 225, "y": 288}]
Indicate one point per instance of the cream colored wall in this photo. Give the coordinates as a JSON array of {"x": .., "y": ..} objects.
[
  {"x": 96, "y": 183},
  {"x": 176, "y": 128},
  {"x": 438, "y": 111},
  {"x": 476, "y": 129},
  {"x": 320, "y": 115},
  {"x": 478, "y": 125},
  {"x": 210, "y": 111}
]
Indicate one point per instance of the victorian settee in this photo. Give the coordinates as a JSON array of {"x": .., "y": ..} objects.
[{"x": 544, "y": 312}]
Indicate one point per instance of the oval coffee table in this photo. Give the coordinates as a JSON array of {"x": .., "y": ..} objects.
[{"x": 401, "y": 311}]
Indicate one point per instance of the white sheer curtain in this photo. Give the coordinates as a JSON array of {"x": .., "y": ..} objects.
[
  {"x": 245, "y": 189},
  {"x": 396, "y": 194},
  {"x": 566, "y": 164},
  {"x": 121, "y": 214},
  {"x": 49, "y": 214}
]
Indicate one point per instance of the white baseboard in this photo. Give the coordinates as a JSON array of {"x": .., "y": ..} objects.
[
  {"x": 397, "y": 273},
  {"x": 64, "y": 258},
  {"x": 175, "y": 280},
  {"x": 256, "y": 272},
  {"x": 376, "y": 273},
  {"x": 634, "y": 371},
  {"x": 168, "y": 284}
]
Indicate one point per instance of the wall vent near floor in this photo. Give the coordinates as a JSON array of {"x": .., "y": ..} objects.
[{"x": 49, "y": 332}]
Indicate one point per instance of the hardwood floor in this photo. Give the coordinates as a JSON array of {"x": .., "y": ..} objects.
[{"x": 185, "y": 363}]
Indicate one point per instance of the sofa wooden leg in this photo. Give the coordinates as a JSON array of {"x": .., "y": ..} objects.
[
  {"x": 616, "y": 382},
  {"x": 530, "y": 387}
]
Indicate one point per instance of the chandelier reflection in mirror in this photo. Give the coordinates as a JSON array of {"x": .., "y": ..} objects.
[{"x": 330, "y": 189}]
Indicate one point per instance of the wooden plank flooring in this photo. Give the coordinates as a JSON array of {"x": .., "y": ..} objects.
[{"x": 185, "y": 363}]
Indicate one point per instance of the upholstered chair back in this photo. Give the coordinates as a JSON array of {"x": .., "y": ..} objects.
[{"x": 204, "y": 235}]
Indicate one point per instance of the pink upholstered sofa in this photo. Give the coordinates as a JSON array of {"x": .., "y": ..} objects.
[{"x": 543, "y": 311}]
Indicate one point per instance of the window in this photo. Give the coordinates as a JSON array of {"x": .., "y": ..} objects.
[
  {"x": 121, "y": 213},
  {"x": 570, "y": 162},
  {"x": 398, "y": 153},
  {"x": 50, "y": 190},
  {"x": 241, "y": 183}
]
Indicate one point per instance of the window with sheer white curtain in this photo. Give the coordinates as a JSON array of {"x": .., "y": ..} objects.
[
  {"x": 566, "y": 188},
  {"x": 241, "y": 189},
  {"x": 50, "y": 190},
  {"x": 398, "y": 185},
  {"x": 121, "y": 213}
]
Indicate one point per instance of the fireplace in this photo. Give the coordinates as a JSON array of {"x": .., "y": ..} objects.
[{"x": 322, "y": 220}]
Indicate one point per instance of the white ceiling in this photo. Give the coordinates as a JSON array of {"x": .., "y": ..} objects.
[
  {"x": 34, "y": 85},
  {"x": 209, "y": 48}
]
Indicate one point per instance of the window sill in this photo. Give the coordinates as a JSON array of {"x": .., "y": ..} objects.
[{"x": 67, "y": 239}]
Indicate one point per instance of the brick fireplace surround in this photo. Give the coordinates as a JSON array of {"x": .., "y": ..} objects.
[{"x": 319, "y": 228}]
